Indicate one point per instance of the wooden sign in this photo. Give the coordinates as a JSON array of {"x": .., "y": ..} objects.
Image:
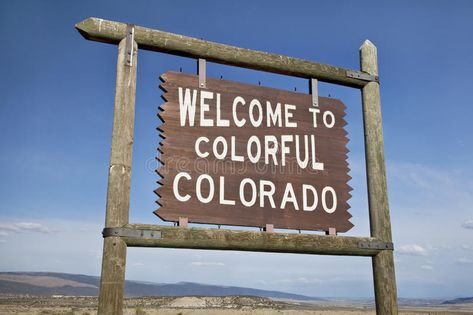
[
  {"x": 239, "y": 154},
  {"x": 244, "y": 155}
]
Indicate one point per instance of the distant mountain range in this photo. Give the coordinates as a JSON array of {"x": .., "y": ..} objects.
[
  {"x": 460, "y": 301},
  {"x": 49, "y": 283}
]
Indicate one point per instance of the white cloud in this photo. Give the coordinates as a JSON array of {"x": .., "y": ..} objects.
[
  {"x": 466, "y": 246},
  {"x": 420, "y": 176},
  {"x": 3, "y": 241},
  {"x": 435, "y": 188},
  {"x": 464, "y": 261},
  {"x": 206, "y": 263},
  {"x": 427, "y": 267},
  {"x": 137, "y": 264},
  {"x": 5, "y": 228},
  {"x": 291, "y": 281},
  {"x": 468, "y": 225},
  {"x": 412, "y": 249}
]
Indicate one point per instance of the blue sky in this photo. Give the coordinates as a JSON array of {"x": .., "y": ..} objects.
[{"x": 56, "y": 105}]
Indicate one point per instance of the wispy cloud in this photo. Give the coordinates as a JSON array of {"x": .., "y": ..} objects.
[
  {"x": 468, "y": 225},
  {"x": 291, "y": 281},
  {"x": 466, "y": 246},
  {"x": 435, "y": 189},
  {"x": 420, "y": 176},
  {"x": 137, "y": 264},
  {"x": 18, "y": 227},
  {"x": 412, "y": 249},
  {"x": 427, "y": 267},
  {"x": 206, "y": 263},
  {"x": 464, "y": 261}
]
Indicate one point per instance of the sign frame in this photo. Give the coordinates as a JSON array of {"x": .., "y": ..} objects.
[{"x": 119, "y": 234}]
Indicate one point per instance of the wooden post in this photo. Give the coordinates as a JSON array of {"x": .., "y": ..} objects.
[
  {"x": 383, "y": 262},
  {"x": 118, "y": 195}
]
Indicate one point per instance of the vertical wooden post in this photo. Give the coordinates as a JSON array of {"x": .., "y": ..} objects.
[
  {"x": 383, "y": 262},
  {"x": 118, "y": 195}
]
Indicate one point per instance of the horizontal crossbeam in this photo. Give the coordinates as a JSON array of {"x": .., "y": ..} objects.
[
  {"x": 143, "y": 235},
  {"x": 149, "y": 39}
]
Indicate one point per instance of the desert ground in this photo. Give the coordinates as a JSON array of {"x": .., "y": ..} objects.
[{"x": 232, "y": 305}]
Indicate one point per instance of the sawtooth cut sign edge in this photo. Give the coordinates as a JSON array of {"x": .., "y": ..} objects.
[{"x": 216, "y": 127}]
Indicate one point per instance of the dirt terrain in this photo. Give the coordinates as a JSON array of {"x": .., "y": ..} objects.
[{"x": 231, "y": 305}]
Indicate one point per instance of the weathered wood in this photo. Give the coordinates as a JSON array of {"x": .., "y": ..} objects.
[
  {"x": 112, "y": 32},
  {"x": 222, "y": 239},
  {"x": 178, "y": 154},
  {"x": 118, "y": 194},
  {"x": 383, "y": 263},
  {"x": 112, "y": 279}
]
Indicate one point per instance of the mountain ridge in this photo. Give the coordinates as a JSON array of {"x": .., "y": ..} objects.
[
  {"x": 51, "y": 283},
  {"x": 461, "y": 300}
]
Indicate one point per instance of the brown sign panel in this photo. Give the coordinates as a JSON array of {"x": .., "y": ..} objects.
[{"x": 239, "y": 154}]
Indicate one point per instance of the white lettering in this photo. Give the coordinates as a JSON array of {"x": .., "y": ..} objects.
[
  {"x": 236, "y": 158},
  {"x": 334, "y": 199},
  {"x": 266, "y": 193},
  {"x": 305, "y": 162},
  {"x": 284, "y": 148},
  {"x": 197, "y": 148},
  {"x": 332, "y": 119},
  {"x": 254, "y": 140},
  {"x": 305, "y": 206},
  {"x": 204, "y": 107},
  {"x": 318, "y": 166},
  {"x": 198, "y": 188},
  {"x": 289, "y": 196},
  {"x": 187, "y": 105},
  {"x": 222, "y": 199},
  {"x": 252, "y": 201},
  {"x": 175, "y": 187},
  {"x": 273, "y": 116},
  {"x": 314, "y": 112},
  {"x": 236, "y": 101},
  {"x": 220, "y": 155},
  {"x": 221, "y": 122},
  {"x": 288, "y": 115},
  {"x": 256, "y": 122},
  {"x": 270, "y": 150}
]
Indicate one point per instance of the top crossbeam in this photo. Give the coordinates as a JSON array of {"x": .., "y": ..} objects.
[{"x": 149, "y": 39}]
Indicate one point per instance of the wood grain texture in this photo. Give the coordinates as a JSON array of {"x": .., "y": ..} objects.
[
  {"x": 178, "y": 155},
  {"x": 383, "y": 263},
  {"x": 118, "y": 192},
  {"x": 223, "y": 239},
  {"x": 112, "y": 279},
  {"x": 149, "y": 39}
]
